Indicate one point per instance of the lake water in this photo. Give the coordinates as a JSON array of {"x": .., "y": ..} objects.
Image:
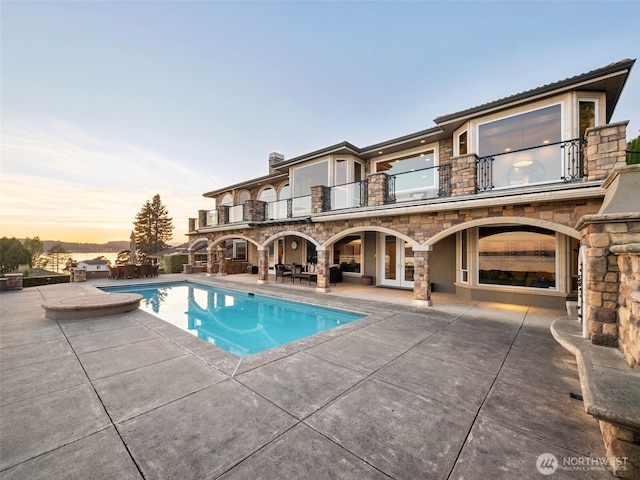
[{"x": 78, "y": 257}]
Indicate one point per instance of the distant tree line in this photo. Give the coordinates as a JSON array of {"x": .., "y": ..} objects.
[
  {"x": 30, "y": 253},
  {"x": 153, "y": 228}
]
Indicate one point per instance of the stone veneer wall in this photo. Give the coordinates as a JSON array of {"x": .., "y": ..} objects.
[
  {"x": 623, "y": 450},
  {"x": 606, "y": 149},
  {"x": 602, "y": 280},
  {"x": 629, "y": 300},
  {"x": 422, "y": 226}
]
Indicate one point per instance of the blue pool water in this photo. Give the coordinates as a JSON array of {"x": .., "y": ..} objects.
[{"x": 240, "y": 322}]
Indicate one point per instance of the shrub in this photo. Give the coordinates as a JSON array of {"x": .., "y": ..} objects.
[
  {"x": 173, "y": 263},
  {"x": 633, "y": 151},
  {"x": 44, "y": 280}
]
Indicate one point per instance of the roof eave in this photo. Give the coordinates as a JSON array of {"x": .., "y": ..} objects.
[
  {"x": 612, "y": 78},
  {"x": 247, "y": 184}
]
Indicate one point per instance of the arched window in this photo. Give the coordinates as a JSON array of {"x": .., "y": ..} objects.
[
  {"x": 243, "y": 196},
  {"x": 285, "y": 192},
  {"x": 268, "y": 195},
  {"x": 227, "y": 200}
]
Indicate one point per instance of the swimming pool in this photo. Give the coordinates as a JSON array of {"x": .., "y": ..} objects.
[{"x": 240, "y": 322}]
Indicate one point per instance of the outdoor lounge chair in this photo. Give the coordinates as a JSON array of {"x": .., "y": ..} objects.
[{"x": 282, "y": 271}]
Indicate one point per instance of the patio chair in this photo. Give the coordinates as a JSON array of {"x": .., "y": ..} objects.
[
  {"x": 113, "y": 272},
  {"x": 129, "y": 271},
  {"x": 282, "y": 271},
  {"x": 146, "y": 270}
]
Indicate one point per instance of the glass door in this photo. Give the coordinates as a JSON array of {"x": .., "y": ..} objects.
[{"x": 396, "y": 262}]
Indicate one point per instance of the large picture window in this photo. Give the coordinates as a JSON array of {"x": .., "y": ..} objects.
[
  {"x": 347, "y": 253},
  {"x": 310, "y": 176},
  {"x": 524, "y": 147},
  {"x": 517, "y": 256}
]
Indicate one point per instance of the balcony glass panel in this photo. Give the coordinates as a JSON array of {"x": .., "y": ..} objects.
[
  {"x": 301, "y": 206},
  {"x": 346, "y": 196},
  {"x": 538, "y": 165},
  {"x": 277, "y": 210},
  {"x": 416, "y": 185},
  {"x": 235, "y": 214},
  {"x": 212, "y": 217}
]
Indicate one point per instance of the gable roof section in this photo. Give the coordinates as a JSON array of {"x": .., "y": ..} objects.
[
  {"x": 610, "y": 79},
  {"x": 95, "y": 262}
]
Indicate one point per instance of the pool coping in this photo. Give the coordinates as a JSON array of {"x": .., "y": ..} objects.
[{"x": 231, "y": 363}]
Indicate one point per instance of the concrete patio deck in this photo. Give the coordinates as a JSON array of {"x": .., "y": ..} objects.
[{"x": 460, "y": 390}]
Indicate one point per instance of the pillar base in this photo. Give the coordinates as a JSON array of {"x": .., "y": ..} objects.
[
  {"x": 421, "y": 303},
  {"x": 323, "y": 289},
  {"x": 262, "y": 282}
]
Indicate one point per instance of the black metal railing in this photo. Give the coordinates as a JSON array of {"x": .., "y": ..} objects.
[
  {"x": 573, "y": 154},
  {"x": 348, "y": 195},
  {"x": 391, "y": 189},
  {"x": 444, "y": 182},
  {"x": 521, "y": 167},
  {"x": 484, "y": 174},
  {"x": 421, "y": 184}
]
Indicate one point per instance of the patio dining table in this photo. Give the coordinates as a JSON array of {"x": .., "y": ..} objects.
[{"x": 299, "y": 273}]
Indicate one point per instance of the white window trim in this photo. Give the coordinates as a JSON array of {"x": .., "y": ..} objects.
[{"x": 562, "y": 139}]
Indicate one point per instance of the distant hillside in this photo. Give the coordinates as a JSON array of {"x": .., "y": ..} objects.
[{"x": 115, "y": 246}]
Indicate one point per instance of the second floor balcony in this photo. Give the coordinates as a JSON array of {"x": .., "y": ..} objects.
[{"x": 550, "y": 167}]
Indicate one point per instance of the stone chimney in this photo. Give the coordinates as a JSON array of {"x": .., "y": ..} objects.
[{"x": 275, "y": 158}]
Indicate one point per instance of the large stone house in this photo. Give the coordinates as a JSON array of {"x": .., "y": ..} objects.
[{"x": 484, "y": 204}]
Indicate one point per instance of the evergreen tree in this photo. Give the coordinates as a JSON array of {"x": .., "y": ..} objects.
[
  {"x": 57, "y": 257},
  {"x": 153, "y": 228},
  {"x": 12, "y": 255}
]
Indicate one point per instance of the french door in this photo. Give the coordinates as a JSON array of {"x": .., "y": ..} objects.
[{"x": 396, "y": 262}]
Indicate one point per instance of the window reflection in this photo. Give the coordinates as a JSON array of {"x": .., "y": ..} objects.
[
  {"x": 523, "y": 257},
  {"x": 310, "y": 176},
  {"x": 347, "y": 252}
]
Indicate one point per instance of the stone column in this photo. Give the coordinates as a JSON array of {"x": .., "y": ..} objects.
[
  {"x": 421, "y": 278},
  {"x": 192, "y": 225},
  {"x": 322, "y": 269},
  {"x": 601, "y": 286},
  {"x": 629, "y": 299},
  {"x": 192, "y": 256},
  {"x": 463, "y": 175},
  {"x": 378, "y": 189},
  {"x": 263, "y": 265},
  {"x": 606, "y": 149},
  {"x": 14, "y": 281},
  {"x": 222, "y": 261},
  {"x": 254, "y": 211},
  {"x": 202, "y": 218},
  {"x": 223, "y": 214},
  {"x": 320, "y": 199},
  {"x": 609, "y": 238},
  {"x": 211, "y": 261}
]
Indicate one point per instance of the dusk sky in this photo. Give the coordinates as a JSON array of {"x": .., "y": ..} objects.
[{"x": 104, "y": 104}]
